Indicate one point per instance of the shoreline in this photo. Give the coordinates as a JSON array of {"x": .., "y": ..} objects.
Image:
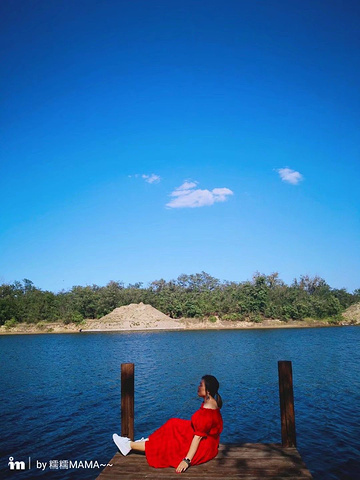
[{"x": 184, "y": 325}]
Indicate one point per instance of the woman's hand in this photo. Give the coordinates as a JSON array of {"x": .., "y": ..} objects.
[{"x": 182, "y": 467}]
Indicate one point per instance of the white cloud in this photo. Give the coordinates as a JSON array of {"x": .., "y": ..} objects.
[
  {"x": 290, "y": 176},
  {"x": 188, "y": 196},
  {"x": 151, "y": 178},
  {"x": 148, "y": 178},
  {"x": 187, "y": 186}
]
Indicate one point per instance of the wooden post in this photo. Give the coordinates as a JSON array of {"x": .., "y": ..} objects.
[
  {"x": 127, "y": 400},
  {"x": 288, "y": 432}
]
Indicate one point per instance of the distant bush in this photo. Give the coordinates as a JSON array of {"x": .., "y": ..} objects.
[
  {"x": 233, "y": 317},
  {"x": 255, "y": 317},
  {"x": 73, "y": 317},
  {"x": 337, "y": 320},
  {"x": 10, "y": 323},
  {"x": 77, "y": 318},
  {"x": 212, "y": 319}
]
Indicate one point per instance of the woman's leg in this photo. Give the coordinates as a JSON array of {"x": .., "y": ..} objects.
[{"x": 139, "y": 446}]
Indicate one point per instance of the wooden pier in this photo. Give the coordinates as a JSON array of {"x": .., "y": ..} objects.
[{"x": 250, "y": 461}]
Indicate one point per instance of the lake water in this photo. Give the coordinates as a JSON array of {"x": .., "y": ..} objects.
[{"x": 60, "y": 394}]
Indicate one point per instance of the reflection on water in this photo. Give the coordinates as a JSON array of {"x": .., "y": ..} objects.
[{"x": 60, "y": 394}]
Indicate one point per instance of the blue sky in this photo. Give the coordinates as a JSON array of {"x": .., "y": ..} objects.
[{"x": 145, "y": 139}]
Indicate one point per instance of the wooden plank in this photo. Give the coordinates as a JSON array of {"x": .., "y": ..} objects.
[
  {"x": 189, "y": 476},
  {"x": 288, "y": 431},
  {"x": 127, "y": 400},
  {"x": 247, "y": 461},
  {"x": 255, "y": 450}
]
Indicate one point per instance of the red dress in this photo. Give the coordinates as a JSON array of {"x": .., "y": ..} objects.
[{"x": 169, "y": 444}]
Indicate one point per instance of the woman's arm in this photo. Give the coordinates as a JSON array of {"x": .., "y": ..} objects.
[{"x": 190, "y": 455}]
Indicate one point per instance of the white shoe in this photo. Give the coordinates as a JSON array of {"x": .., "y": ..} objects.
[
  {"x": 142, "y": 439},
  {"x": 122, "y": 443}
]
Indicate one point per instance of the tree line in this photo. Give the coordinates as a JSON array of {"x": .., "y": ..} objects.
[{"x": 195, "y": 295}]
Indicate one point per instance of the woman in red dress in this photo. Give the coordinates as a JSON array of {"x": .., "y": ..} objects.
[{"x": 181, "y": 443}]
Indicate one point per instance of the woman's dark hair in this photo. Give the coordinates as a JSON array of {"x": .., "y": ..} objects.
[{"x": 212, "y": 386}]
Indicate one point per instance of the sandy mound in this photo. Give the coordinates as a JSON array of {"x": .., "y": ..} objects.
[
  {"x": 352, "y": 314},
  {"x": 136, "y": 316}
]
